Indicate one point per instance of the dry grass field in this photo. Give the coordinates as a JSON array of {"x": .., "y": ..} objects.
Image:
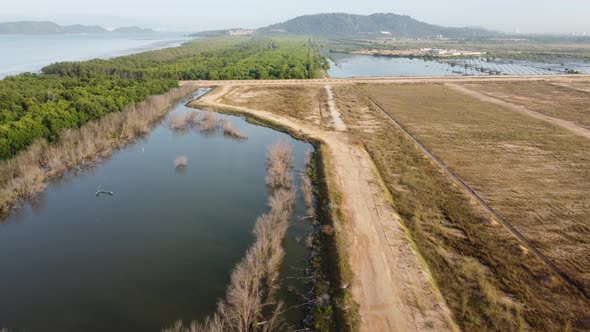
[
  {"x": 579, "y": 86},
  {"x": 301, "y": 102},
  {"x": 565, "y": 100},
  {"x": 534, "y": 173}
]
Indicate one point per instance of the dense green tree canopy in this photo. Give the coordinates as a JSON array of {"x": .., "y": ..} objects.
[{"x": 69, "y": 94}]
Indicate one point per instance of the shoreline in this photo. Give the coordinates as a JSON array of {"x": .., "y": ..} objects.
[{"x": 154, "y": 45}]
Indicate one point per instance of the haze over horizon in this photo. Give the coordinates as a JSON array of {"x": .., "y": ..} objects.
[{"x": 526, "y": 16}]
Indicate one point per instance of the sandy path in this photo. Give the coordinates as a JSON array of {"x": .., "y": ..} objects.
[
  {"x": 336, "y": 117},
  {"x": 568, "y": 125},
  {"x": 390, "y": 284}
]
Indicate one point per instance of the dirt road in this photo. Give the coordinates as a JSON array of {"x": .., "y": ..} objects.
[
  {"x": 334, "y": 113},
  {"x": 379, "y": 80},
  {"x": 391, "y": 286}
]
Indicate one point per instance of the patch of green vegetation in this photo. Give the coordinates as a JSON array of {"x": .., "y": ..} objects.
[
  {"x": 69, "y": 94},
  {"x": 224, "y": 58}
]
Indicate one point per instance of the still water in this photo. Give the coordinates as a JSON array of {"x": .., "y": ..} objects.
[
  {"x": 30, "y": 53},
  {"x": 161, "y": 249},
  {"x": 356, "y": 65}
]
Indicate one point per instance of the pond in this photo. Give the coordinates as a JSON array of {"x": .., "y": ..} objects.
[
  {"x": 358, "y": 65},
  {"x": 161, "y": 249}
]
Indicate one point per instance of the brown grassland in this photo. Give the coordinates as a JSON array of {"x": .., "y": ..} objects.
[
  {"x": 567, "y": 101},
  {"x": 301, "y": 102},
  {"x": 582, "y": 86},
  {"x": 534, "y": 173}
]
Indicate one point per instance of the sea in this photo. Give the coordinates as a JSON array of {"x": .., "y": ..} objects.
[{"x": 30, "y": 53}]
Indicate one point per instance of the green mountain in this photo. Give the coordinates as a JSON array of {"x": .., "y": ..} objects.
[
  {"x": 339, "y": 25},
  {"x": 42, "y": 28}
]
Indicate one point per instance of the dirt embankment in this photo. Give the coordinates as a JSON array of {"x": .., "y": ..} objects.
[
  {"x": 401, "y": 80},
  {"x": 391, "y": 286}
]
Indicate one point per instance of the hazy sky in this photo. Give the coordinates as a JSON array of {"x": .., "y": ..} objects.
[{"x": 507, "y": 15}]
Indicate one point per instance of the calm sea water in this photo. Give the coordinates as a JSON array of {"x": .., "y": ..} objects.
[
  {"x": 161, "y": 249},
  {"x": 30, "y": 53},
  {"x": 355, "y": 65}
]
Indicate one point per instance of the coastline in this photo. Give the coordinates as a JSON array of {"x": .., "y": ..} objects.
[{"x": 140, "y": 43}]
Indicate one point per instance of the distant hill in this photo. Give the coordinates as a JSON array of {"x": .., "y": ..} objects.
[
  {"x": 83, "y": 29},
  {"x": 132, "y": 30},
  {"x": 29, "y": 27},
  {"x": 41, "y": 28},
  {"x": 339, "y": 25}
]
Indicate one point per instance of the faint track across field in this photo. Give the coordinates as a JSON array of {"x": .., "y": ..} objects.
[{"x": 485, "y": 205}]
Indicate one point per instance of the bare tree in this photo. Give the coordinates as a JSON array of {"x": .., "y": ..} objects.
[{"x": 249, "y": 304}]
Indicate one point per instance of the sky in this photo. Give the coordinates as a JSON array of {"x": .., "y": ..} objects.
[{"x": 526, "y": 16}]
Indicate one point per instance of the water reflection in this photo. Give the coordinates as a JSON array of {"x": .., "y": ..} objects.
[{"x": 162, "y": 248}]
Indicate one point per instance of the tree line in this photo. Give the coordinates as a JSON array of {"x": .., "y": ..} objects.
[{"x": 67, "y": 95}]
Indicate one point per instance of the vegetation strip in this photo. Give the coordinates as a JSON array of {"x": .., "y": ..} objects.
[{"x": 483, "y": 203}]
